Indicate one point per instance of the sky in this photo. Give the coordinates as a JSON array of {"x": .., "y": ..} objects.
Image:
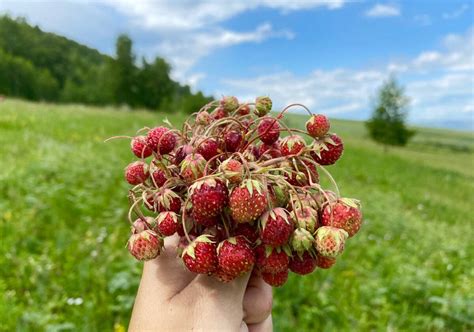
[{"x": 331, "y": 55}]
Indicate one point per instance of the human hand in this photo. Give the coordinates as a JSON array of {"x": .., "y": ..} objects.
[{"x": 170, "y": 298}]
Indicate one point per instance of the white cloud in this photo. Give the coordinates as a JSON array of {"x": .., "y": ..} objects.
[
  {"x": 383, "y": 10},
  {"x": 456, "y": 13},
  {"x": 439, "y": 82}
]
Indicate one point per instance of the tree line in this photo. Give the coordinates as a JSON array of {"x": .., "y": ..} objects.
[{"x": 37, "y": 65}]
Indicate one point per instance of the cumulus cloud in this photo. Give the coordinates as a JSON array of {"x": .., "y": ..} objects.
[{"x": 383, "y": 10}]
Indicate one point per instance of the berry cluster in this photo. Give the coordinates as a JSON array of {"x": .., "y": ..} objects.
[{"x": 242, "y": 191}]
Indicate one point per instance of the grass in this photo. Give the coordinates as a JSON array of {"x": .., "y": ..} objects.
[{"x": 63, "y": 205}]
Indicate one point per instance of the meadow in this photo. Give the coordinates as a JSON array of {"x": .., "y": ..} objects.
[{"x": 63, "y": 204}]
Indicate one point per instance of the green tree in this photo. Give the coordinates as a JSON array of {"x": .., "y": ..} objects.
[
  {"x": 387, "y": 124},
  {"x": 155, "y": 84},
  {"x": 124, "y": 73}
]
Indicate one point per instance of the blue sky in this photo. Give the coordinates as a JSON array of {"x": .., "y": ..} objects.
[{"x": 330, "y": 55}]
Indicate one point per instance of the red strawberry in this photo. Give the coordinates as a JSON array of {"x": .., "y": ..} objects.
[
  {"x": 158, "y": 175},
  {"x": 306, "y": 218},
  {"x": 209, "y": 197},
  {"x": 140, "y": 148},
  {"x": 247, "y": 230},
  {"x": 271, "y": 260},
  {"x": 345, "y": 214},
  {"x": 301, "y": 240},
  {"x": 203, "y": 118},
  {"x": 167, "y": 223},
  {"x": 248, "y": 201},
  {"x": 235, "y": 256},
  {"x": 304, "y": 264},
  {"x": 317, "y": 125},
  {"x": 167, "y": 200},
  {"x": 136, "y": 172},
  {"x": 205, "y": 221},
  {"x": 268, "y": 130},
  {"x": 192, "y": 167},
  {"x": 229, "y": 103},
  {"x": 329, "y": 241},
  {"x": 232, "y": 170},
  {"x": 329, "y": 151},
  {"x": 208, "y": 148},
  {"x": 161, "y": 139},
  {"x": 323, "y": 198},
  {"x": 182, "y": 152},
  {"x": 263, "y": 105},
  {"x": 244, "y": 109},
  {"x": 291, "y": 145},
  {"x": 275, "y": 279},
  {"x": 200, "y": 256},
  {"x": 232, "y": 140},
  {"x": 219, "y": 113},
  {"x": 145, "y": 245},
  {"x": 272, "y": 151},
  {"x": 223, "y": 276},
  {"x": 276, "y": 228},
  {"x": 325, "y": 262}
]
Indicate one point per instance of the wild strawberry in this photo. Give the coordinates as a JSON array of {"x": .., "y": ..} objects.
[
  {"x": 204, "y": 220},
  {"x": 263, "y": 105},
  {"x": 232, "y": 170},
  {"x": 301, "y": 240},
  {"x": 325, "y": 262},
  {"x": 223, "y": 276},
  {"x": 192, "y": 167},
  {"x": 200, "y": 256},
  {"x": 218, "y": 232},
  {"x": 304, "y": 264},
  {"x": 208, "y": 148},
  {"x": 219, "y": 113},
  {"x": 317, "y": 125},
  {"x": 248, "y": 201},
  {"x": 167, "y": 223},
  {"x": 140, "y": 148},
  {"x": 329, "y": 151},
  {"x": 244, "y": 109},
  {"x": 145, "y": 245},
  {"x": 305, "y": 217},
  {"x": 272, "y": 151},
  {"x": 167, "y": 200},
  {"x": 232, "y": 140},
  {"x": 203, "y": 118},
  {"x": 248, "y": 231},
  {"x": 329, "y": 241},
  {"x": 323, "y": 198},
  {"x": 345, "y": 214},
  {"x": 275, "y": 279},
  {"x": 268, "y": 130},
  {"x": 270, "y": 260},
  {"x": 291, "y": 145},
  {"x": 229, "y": 103},
  {"x": 235, "y": 256},
  {"x": 136, "y": 172},
  {"x": 303, "y": 174},
  {"x": 209, "y": 197},
  {"x": 182, "y": 152},
  {"x": 140, "y": 225},
  {"x": 158, "y": 175},
  {"x": 161, "y": 139},
  {"x": 276, "y": 228}
]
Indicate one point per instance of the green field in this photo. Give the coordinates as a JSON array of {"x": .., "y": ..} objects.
[{"x": 63, "y": 229}]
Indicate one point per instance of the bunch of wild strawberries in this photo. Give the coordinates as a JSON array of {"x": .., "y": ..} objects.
[{"x": 240, "y": 195}]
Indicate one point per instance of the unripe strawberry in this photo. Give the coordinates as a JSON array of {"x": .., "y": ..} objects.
[
  {"x": 200, "y": 256},
  {"x": 192, "y": 167},
  {"x": 140, "y": 148},
  {"x": 301, "y": 240},
  {"x": 325, "y": 262},
  {"x": 278, "y": 195},
  {"x": 306, "y": 218},
  {"x": 208, "y": 148},
  {"x": 329, "y": 151},
  {"x": 235, "y": 256},
  {"x": 232, "y": 140},
  {"x": 271, "y": 260},
  {"x": 303, "y": 174},
  {"x": 275, "y": 279},
  {"x": 263, "y": 106},
  {"x": 291, "y": 145},
  {"x": 209, "y": 197},
  {"x": 276, "y": 228},
  {"x": 161, "y": 139},
  {"x": 232, "y": 170},
  {"x": 323, "y": 198},
  {"x": 268, "y": 130},
  {"x": 182, "y": 152},
  {"x": 167, "y": 223},
  {"x": 345, "y": 214},
  {"x": 229, "y": 103},
  {"x": 145, "y": 245},
  {"x": 248, "y": 201},
  {"x": 318, "y": 125},
  {"x": 136, "y": 172},
  {"x": 203, "y": 118},
  {"x": 302, "y": 264},
  {"x": 140, "y": 225},
  {"x": 329, "y": 241}
]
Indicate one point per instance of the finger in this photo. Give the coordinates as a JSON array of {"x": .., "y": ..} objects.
[
  {"x": 258, "y": 300},
  {"x": 265, "y": 326}
]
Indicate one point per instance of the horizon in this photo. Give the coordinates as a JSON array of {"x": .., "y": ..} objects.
[{"x": 243, "y": 49}]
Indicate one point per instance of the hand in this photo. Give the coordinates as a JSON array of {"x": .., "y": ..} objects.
[{"x": 171, "y": 298}]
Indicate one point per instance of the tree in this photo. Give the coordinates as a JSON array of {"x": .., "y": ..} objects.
[
  {"x": 387, "y": 124},
  {"x": 124, "y": 72}
]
